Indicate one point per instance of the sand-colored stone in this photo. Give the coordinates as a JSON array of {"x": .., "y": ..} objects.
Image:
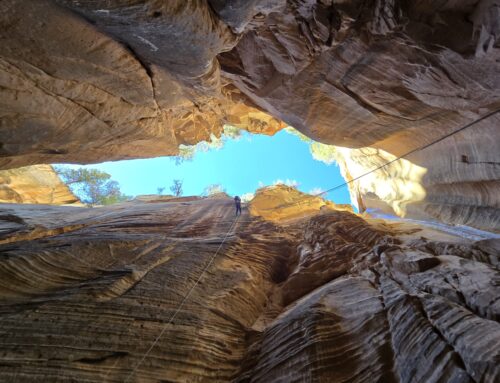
[
  {"x": 34, "y": 184},
  {"x": 281, "y": 203},
  {"x": 307, "y": 294},
  {"x": 115, "y": 79},
  {"x": 328, "y": 297},
  {"x": 426, "y": 185},
  {"x": 72, "y": 93}
]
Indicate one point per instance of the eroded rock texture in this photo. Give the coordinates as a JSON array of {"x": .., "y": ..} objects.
[
  {"x": 71, "y": 92},
  {"x": 391, "y": 76},
  {"x": 34, "y": 184},
  {"x": 436, "y": 189},
  {"x": 330, "y": 297},
  {"x": 87, "y": 81},
  {"x": 281, "y": 203}
]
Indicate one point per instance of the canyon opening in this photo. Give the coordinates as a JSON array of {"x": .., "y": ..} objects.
[{"x": 361, "y": 137}]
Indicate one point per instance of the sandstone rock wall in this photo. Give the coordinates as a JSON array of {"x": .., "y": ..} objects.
[
  {"x": 281, "y": 203},
  {"x": 115, "y": 79},
  {"x": 72, "y": 93},
  {"x": 390, "y": 76},
  {"x": 439, "y": 184},
  {"x": 34, "y": 184},
  {"x": 84, "y": 294}
]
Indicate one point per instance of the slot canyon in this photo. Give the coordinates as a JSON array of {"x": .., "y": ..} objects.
[{"x": 298, "y": 288}]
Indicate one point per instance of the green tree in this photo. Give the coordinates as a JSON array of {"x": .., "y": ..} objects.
[
  {"x": 176, "y": 188},
  {"x": 159, "y": 190},
  {"x": 213, "y": 189},
  {"x": 92, "y": 186},
  {"x": 328, "y": 154},
  {"x": 187, "y": 152},
  {"x": 232, "y": 132},
  {"x": 295, "y": 132}
]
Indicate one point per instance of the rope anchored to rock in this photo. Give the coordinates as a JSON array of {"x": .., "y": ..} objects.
[
  {"x": 186, "y": 297},
  {"x": 181, "y": 303}
]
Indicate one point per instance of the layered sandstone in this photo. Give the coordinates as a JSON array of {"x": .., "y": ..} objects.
[
  {"x": 388, "y": 74},
  {"x": 115, "y": 79},
  {"x": 95, "y": 295},
  {"x": 427, "y": 191},
  {"x": 282, "y": 203},
  {"x": 387, "y": 77},
  {"x": 34, "y": 184},
  {"x": 70, "y": 92}
]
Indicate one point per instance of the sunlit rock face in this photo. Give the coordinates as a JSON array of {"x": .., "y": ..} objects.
[
  {"x": 429, "y": 191},
  {"x": 391, "y": 76},
  {"x": 34, "y": 184},
  {"x": 115, "y": 79},
  {"x": 282, "y": 203},
  {"x": 329, "y": 297}
]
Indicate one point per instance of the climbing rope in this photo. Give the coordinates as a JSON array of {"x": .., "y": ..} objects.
[
  {"x": 181, "y": 303},
  {"x": 186, "y": 297},
  {"x": 484, "y": 117}
]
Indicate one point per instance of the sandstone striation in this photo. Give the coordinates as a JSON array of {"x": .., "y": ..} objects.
[
  {"x": 391, "y": 77},
  {"x": 421, "y": 188},
  {"x": 72, "y": 93},
  {"x": 115, "y": 79},
  {"x": 296, "y": 293},
  {"x": 34, "y": 184},
  {"x": 282, "y": 203},
  {"x": 324, "y": 297}
]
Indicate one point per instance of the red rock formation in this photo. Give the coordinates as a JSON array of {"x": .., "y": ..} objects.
[
  {"x": 114, "y": 79},
  {"x": 330, "y": 297},
  {"x": 84, "y": 294}
]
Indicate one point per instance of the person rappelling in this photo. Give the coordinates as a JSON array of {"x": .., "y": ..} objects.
[{"x": 237, "y": 201}]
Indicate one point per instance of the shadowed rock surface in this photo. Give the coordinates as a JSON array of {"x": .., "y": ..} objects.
[
  {"x": 116, "y": 79},
  {"x": 71, "y": 92},
  {"x": 327, "y": 297},
  {"x": 307, "y": 294}
]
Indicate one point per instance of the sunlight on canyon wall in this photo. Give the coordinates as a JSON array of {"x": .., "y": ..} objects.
[
  {"x": 398, "y": 184},
  {"x": 395, "y": 185},
  {"x": 282, "y": 203}
]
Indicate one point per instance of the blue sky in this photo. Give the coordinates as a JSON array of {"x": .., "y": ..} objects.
[{"x": 241, "y": 166}]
